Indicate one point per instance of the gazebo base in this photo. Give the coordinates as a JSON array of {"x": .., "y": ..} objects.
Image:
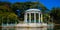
[{"x": 32, "y": 25}]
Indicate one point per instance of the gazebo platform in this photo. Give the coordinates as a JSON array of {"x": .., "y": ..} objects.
[{"x": 32, "y": 25}]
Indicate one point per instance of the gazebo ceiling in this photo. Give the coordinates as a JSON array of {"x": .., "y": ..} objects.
[{"x": 33, "y": 10}]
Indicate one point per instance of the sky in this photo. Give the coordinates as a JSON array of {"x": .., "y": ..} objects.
[{"x": 47, "y": 3}]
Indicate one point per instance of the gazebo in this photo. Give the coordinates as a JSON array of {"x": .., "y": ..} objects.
[
  {"x": 37, "y": 16},
  {"x": 32, "y": 18}
]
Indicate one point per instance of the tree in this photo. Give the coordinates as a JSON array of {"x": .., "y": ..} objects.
[
  {"x": 6, "y": 13},
  {"x": 55, "y": 13},
  {"x": 8, "y": 17},
  {"x": 23, "y": 6},
  {"x": 5, "y": 6}
]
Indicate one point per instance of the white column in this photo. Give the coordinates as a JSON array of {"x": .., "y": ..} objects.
[
  {"x": 39, "y": 17},
  {"x": 25, "y": 18},
  {"x": 34, "y": 17},
  {"x": 29, "y": 17}
]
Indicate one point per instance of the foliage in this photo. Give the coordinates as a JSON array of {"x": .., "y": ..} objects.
[
  {"x": 8, "y": 17},
  {"x": 8, "y": 10},
  {"x": 23, "y": 6},
  {"x": 55, "y": 13}
]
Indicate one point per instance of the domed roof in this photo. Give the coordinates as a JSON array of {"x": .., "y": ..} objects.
[{"x": 32, "y": 10}]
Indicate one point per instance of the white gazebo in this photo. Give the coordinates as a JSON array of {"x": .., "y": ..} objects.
[
  {"x": 36, "y": 21},
  {"x": 36, "y": 13}
]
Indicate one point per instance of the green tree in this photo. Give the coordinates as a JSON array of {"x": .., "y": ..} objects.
[
  {"x": 5, "y": 7},
  {"x": 6, "y": 13},
  {"x": 23, "y": 6},
  {"x": 55, "y": 13},
  {"x": 13, "y": 18},
  {"x": 8, "y": 17}
]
